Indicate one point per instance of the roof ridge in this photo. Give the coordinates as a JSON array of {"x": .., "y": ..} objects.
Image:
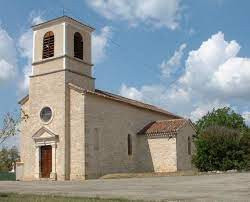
[{"x": 165, "y": 120}]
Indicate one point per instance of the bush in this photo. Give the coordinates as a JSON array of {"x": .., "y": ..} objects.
[
  {"x": 221, "y": 148},
  {"x": 245, "y": 146},
  {"x": 7, "y": 158}
]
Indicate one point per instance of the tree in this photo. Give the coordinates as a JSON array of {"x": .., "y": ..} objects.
[
  {"x": 222, "y": 141},
  {"x": 10, "y": 125},
  {"x": 220, "y": 148},
  {"x": 245, "y": 145},
  {"x": 225, "y": 117},
  {"x": 7, "y": 158}
]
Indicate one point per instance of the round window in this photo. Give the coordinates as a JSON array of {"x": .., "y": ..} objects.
[{"x": 46, "y": 114}]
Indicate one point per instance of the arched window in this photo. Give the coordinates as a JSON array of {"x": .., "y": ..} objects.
[
  {"x": 78, "y": 46},
  {"x": 189, "y": 146},
  {"x": 48, "y": 45},
  {"x": 129, "y": 145}
]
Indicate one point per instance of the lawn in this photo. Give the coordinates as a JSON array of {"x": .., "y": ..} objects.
[{"x": 11, "y": 197}]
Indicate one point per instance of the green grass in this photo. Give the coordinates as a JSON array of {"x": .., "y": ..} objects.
[
  {"x": 11, "y": 197},
  {"x": 6, "y": 176}
]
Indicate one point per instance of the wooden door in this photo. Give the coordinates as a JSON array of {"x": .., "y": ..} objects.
[{"x": 46, "y": 161}]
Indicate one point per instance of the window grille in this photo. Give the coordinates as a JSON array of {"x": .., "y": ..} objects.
[{"x": 48, "y": 45}]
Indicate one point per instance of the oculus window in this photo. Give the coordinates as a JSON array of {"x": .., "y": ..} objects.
[{"x": 46, "y": 114}]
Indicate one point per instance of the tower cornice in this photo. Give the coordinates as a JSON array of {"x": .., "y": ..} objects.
[
  {"x": 60, "y": 57},
  {"x": 61, "y": 20}
]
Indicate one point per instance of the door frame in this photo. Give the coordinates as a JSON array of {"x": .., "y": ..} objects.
[
  {"x": 44, "y": 137},
  {"x": 38, "y": 169}
]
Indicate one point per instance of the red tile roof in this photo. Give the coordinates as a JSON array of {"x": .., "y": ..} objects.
[{"x": 164, "y": 126}]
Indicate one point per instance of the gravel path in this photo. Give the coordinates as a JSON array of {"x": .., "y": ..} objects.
[{"x": 221, "y": 187}]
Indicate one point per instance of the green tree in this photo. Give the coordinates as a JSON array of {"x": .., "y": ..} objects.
[
  {"x": 221, "y": 148},
  {"x": 225, "y": 117},
  {"x": 222, "y": 141},
  {"x": 7, "y": 158},
  {"x": 245, "y": 146}
]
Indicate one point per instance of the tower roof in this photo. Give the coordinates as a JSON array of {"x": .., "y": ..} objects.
[{"x": 61, "y": 20}]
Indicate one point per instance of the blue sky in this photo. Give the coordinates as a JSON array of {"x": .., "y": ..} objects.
[{"x": 184, "y": 56}]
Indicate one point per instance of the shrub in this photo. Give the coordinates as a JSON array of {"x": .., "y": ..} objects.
[
  {"x": 221, "y": 148},
  {"x": 245, "y": 146},
  {"x": 7, "y": 158}
]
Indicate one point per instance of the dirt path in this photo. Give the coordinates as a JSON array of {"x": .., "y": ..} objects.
[{"x": 226, "y": 187}]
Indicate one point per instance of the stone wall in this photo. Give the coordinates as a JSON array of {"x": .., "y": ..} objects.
[
  {"x": 48, "y": 90},
  {"x": 108, "y": 124},
  {"x": 163, "y": 152},
  {"x": 184, "y": 159},
  {"x": 76, "y": 132}
]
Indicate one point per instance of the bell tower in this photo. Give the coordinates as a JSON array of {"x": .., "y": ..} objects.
[
  {"x": 64, "y": 44},
  {"x": 61, "y": 55}
]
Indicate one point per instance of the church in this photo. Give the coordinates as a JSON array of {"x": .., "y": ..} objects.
[{"x": 75, "y": 131}]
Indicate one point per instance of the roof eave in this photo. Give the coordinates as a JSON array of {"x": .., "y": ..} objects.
[
  {"x": 24, "y": 100},
  {"x": 65, "y": 18},
  {"x": 173, "y": 133},
  {"x": 138, "y": 106}
]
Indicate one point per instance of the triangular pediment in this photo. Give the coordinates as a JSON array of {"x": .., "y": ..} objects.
[{"x": 44, "y": 133}]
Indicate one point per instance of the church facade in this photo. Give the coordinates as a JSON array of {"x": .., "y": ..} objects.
[{"x": 75, "y": 131}]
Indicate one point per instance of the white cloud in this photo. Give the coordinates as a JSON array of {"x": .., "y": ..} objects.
[
  {"x": 7, "y": 70},
  {"x": 25, "y": 44},
  {"x": 25, "y": 47},
  {"x": 131, "y": 92},
  {"x": 100, "y": 44},
  {"x": 215, "y": 76},
  {"x": 215, "y": 70},
  {"x": 24, "y": 83},
  {"x": 171, "y": 66},
  {"x": 246, "y": 116},
  {"x": 203, "y": 109},
  {"x": 232, "y": 78},
  {"x": 8, "y": 56},
  {"x": 202, "y": 63},
  {"x": 175, "y": 99},
  {"x": 37, "y": 20},
  {"x": 157, "y": 13}
]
